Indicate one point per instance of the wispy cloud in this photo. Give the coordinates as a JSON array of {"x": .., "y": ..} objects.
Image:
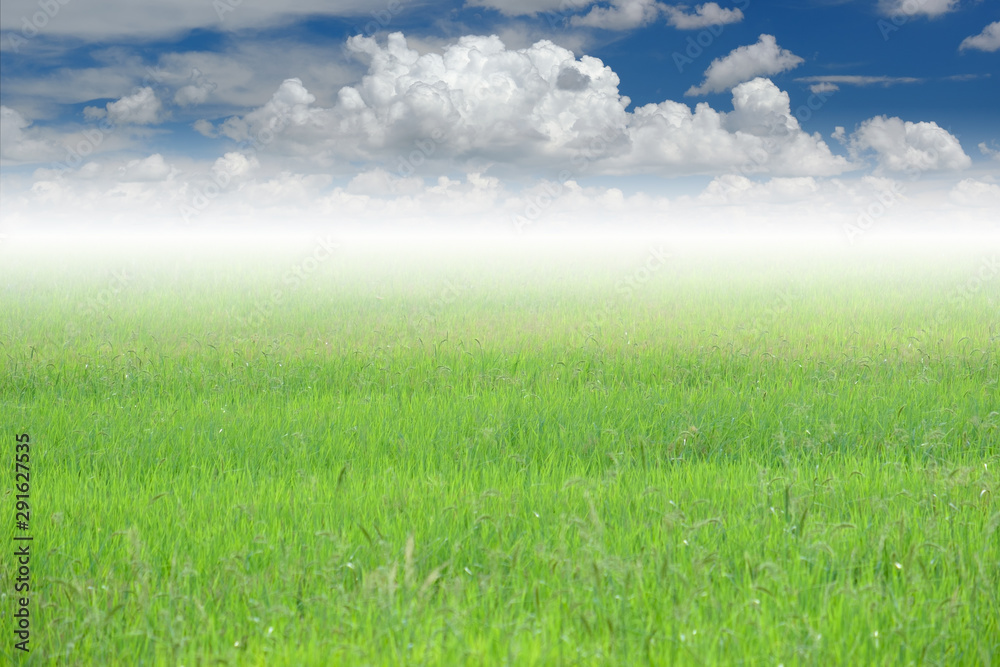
[
  {"x": 111, "y": 19},
  {"x": 857, "y": 80}
]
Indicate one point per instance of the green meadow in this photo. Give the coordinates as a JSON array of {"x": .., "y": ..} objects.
[{"x": 532, "y": 455}]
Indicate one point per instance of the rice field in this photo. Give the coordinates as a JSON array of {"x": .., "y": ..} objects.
[{"x": 645, "y": 454}]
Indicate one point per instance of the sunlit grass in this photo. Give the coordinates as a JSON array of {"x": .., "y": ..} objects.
[{"x": 503, "y": 460}]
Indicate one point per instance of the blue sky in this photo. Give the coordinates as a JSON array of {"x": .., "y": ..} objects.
[{"x": 834, "y": 93}]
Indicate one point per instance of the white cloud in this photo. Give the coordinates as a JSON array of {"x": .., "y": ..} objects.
[
  {"x": 246, "y": 72},
  {"x": 911, "y": 8},
  {"x": 737, "y": 189},
  {"x": 193, "y": 93},
  {"x": 987, "y": 40},
  {"x": 382, "y": 199},
  {"x": 20, "y": 143},
  {"x": 620, "y": 15},
  {"x": 824, "y": 87},
  {"x": 379, "y": 182},
  {"x": 705, "y": 15},
  {"x": 760, "y": 135},
  {"x": 110, "y": 173},
  {"x": 971, "y": 192},
  {"x": 235, "y": 165},
  {"x": 43, "y": 96},
  {"x": 242, "y": 74},
  {"x": 529, "y": 7},
  {"x": 91, "y": 114},
  {"x": 152, "y": 168},
  {"x": 479, "y": 104},
  {"x": 290, "y": 104},
  {"x": 108, "y": 19},
  {"x": 68, "y": 146},
  {"x": 989, "y": 152},
  {"x": 475, "y": 101},
  {"x": 855, "y": 80},
  {"x": 141, "y": 108},
  {"x": 907, "y": 146},
  {"x": 765, "y": 58},
  {"x": 204, "y": 128}
]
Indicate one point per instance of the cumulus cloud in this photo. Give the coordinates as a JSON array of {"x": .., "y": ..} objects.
[
  {"x": 765, "y": 58},
  {"x": 194, "y": 93},
  {"x": 152, "y": 168},
  {"x": 235, "y": 165},
  {"x": 909, "y": 8},
  {"x": 290, "y": 105},
  {"x": 475, "y": 100},
  {"x": 987, "y": 40},
  {"x": 570, "y": 78},
  {"x": 703, "y": 16},
  {"x": 479, "y": 104},
  {"x": 620, "y": 15},
  {"x": 905, "y": 146},
  {"x": 760, "y": 135},
  {"x": 141, "y": 108},
  {"x": 19, "y": 143}
]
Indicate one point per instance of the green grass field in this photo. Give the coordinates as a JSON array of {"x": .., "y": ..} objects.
[{"x": 529, "y": 456}]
